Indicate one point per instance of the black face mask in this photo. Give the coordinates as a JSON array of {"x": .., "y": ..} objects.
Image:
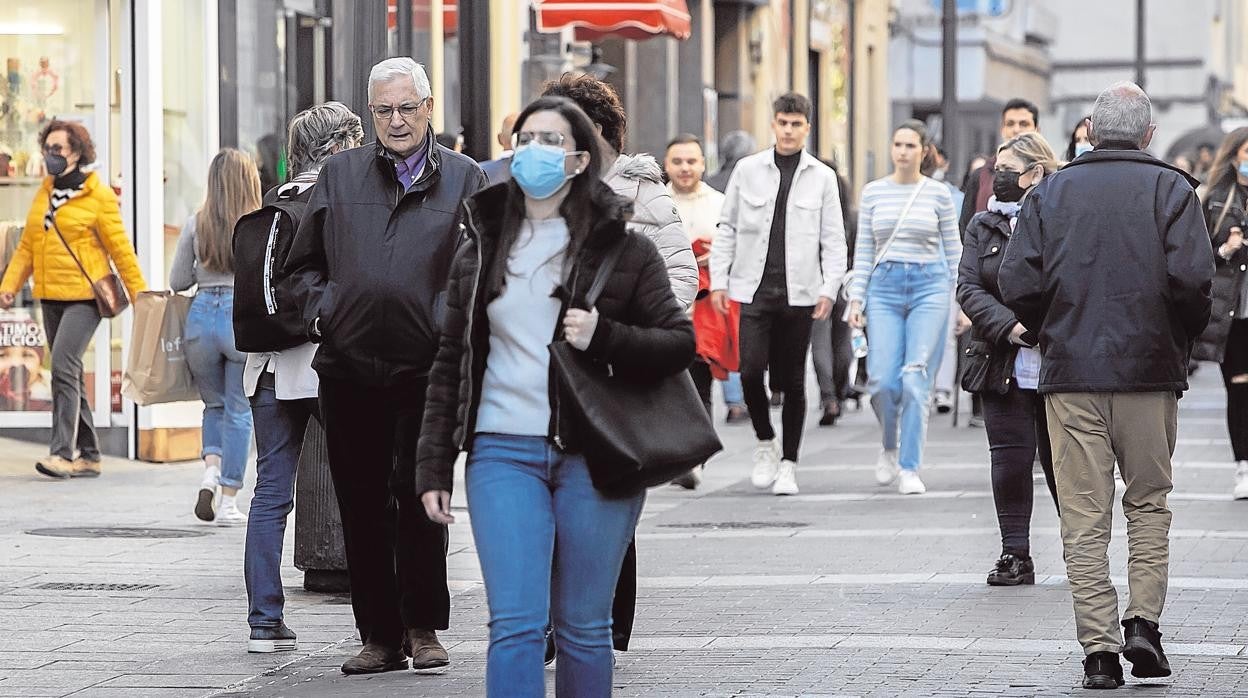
[
  {"x": 1005, "y": 186},
  {"x": 55, "y": 163}
]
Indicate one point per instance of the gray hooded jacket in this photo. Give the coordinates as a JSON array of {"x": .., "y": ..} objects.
[{"x": 639, "y": 179}]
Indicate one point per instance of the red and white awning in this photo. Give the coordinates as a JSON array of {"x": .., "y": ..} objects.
[{"x": 630, "y": 19}]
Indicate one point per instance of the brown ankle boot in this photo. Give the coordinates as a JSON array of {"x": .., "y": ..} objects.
[
  {"x": 425, "y": 650},
  {"x": 85, "y": 468},
  {"x": 374, "y": 659}
]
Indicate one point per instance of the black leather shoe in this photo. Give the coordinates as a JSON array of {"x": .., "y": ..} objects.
[
  {"x": 831, "y": 411},
  {"x": 375, "y": 659},
  {"x": 1102, "y": 670},
  {"x": 550, "y": 645},
  {"x": 1012, "y": 570},
  {"x": 1142, "y": 647}
]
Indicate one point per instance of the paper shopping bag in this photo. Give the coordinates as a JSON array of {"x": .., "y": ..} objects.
[{"x": 157, "y": 370}]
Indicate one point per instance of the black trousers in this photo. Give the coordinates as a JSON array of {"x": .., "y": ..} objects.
[
  {"x": 700, "y": 372},
  {"x": 1017, "y": 428},
  {"x": 780, "y": 336},
  {"x": 1235, "y": 363},
  {"x": 396, "y": 556}
]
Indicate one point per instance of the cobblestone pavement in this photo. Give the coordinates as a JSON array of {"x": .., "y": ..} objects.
[{"x": 845, "y": 590}]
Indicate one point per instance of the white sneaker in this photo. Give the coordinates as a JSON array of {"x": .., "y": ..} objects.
[
  {"x": 909, "y": 483},
  {"x": 886, "y": 467},
  {"x": 204, "y": 501},
  {"x": 229, "y": 515},
  {"x": 766, "y": 463},
  {"x": 1241, "y": 480},
  {"x": 786, "y": 479}
]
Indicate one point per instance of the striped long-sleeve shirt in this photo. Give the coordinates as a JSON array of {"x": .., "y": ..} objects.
[{"x": 928, "y": 233}]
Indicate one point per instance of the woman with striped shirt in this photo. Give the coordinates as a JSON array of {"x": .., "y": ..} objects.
[{"x": 905, "y": 266}]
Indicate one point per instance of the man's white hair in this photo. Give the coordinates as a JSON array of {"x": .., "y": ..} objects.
[
  {"x": 1123, "y": 112},
  {"x": 396, "y": 68}
]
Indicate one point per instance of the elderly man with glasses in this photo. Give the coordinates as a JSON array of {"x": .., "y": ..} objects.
[{"x": 370, "y": 262}]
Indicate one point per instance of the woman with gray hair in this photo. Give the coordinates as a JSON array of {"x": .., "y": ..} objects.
[{"x": 283, "y": 387}]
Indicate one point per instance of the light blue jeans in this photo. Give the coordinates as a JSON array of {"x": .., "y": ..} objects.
[
  {"x": 734, "y": 395},
  {"x": 907, "y": 312},
  {"x": 545, "y": 537},
  {"x": 218, "y": 371}
]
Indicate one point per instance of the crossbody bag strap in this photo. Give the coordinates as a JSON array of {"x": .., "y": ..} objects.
[
  {"x": 59, "y": 234},
  {"x": 604, "y": 272},
  {"x": 1226, "y": 207},
  {"x": 879, "y": 257}
]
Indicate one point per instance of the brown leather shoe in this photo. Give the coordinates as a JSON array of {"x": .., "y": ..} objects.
[
  {"x": 55, "y": 466},
  {"x": 375, "y": 659},
  {"x": 85, "y": 468},
  {"x": 425, "y": 650}
]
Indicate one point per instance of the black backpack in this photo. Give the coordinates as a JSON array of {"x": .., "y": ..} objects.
[{"x": 266, "y": 318}]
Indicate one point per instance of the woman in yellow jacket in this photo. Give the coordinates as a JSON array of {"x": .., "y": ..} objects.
[{"x": 85, "y": 210}]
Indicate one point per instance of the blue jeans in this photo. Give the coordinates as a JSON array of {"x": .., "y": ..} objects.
[
  {"x": 280, "y": 426},
  {"x": 218, "y": 371},
  {"x": 734, "y": 396},
  {"x": 546, "y": 537},
  {"x": 907, "y": 311}
]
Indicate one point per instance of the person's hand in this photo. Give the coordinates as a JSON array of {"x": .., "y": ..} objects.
[
  {"x": 964, "y": 324},
  {"x": 719, "y": 301},
  {"x": 438, "y": 506},
  {"x": 1233, "y": 243},
  {"x": 856, "y": 319},
  {"x": 823, "y": 308},
  {"x": 1016, "y": 334},
  {"x": 7, "y": 300},
  {"x": 579, "y": 326}
]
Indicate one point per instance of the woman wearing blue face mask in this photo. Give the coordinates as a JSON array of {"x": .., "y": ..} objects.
[
  {"x": 1079, "y": 143},
  {"x": 550, "y": 544},
  {"x": 1225, "y": 340}
]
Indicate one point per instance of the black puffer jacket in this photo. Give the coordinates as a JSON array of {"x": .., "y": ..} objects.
[
  {"x": 1232, "y": 273},
  {"x": 1111, "y": 263},
  {"x": 642, "y": 330},
  {"x": 979, "y": 295},
  {"x": 370, "y": 260}
]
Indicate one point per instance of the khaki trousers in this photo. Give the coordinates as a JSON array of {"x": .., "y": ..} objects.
[{"x": 1089, "y": 432}]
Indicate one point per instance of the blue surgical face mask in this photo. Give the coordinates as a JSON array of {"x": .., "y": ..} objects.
[
  {"x": 1243, "y": 168},
  {"x": 538, "y": 169},
  {"x": 1081, "y": 148}
]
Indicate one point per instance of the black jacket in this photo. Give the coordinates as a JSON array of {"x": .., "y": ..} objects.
[
  {"x": 371, "y": 260},
  {"x": 979, "y": 295},
  {"x": 642, "y": 330},
  {"x": 1230, "y": 278},
  {"x": 1111, "y": 263}
]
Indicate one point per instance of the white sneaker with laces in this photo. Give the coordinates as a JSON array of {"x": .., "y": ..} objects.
[
  {"x": 1241, "y": 480},
  {"x": 229, "y": 515},
  {"x": 909, "y": 483},
  {"x": 786, "y": 479},
  {"x": 766, "y": 463},
  {"x": 886, "y": 467},
  {"x": 204, "y": 501}
]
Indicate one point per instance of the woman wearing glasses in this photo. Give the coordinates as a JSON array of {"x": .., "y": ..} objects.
[
  {"x": 1002, "y": 363},
  {"x": 550, "y": 544},
  {"x": 73, "y": 234}
]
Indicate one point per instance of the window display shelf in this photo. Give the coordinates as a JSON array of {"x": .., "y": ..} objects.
[{"x": 19, "y": 181}]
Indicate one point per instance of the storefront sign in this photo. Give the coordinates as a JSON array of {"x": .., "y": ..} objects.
[{"x": 25, "y": 384}]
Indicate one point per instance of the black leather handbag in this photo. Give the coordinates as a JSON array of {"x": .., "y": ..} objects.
[{"x": 633, "y": 433}]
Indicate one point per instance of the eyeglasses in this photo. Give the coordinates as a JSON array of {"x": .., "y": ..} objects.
[
  {"x": 406, "y": 111},
  {"x": 554, "y": 138},
  {"x": 54, "y": 148}
]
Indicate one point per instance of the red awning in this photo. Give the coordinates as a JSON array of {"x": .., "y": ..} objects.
[
  {"x": 630, "y": 19},
  {"x": 421, "y": 18}
]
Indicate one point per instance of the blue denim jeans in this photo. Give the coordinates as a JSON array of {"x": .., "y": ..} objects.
[
  {"x": 280, "y": 426},
  {"x": 218, "y": 370},
  {"x": 907, "y": 311},
  {"x": 734, "y": 395},
  {"x": 550, "y": 546}
]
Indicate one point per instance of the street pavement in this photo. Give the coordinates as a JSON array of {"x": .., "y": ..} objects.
[{"x": 847, "y": 589}]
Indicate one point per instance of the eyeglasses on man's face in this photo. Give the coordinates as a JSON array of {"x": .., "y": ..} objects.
[
  {"x": 552, "y": 138},
  {"x": 406, "y": 111}
]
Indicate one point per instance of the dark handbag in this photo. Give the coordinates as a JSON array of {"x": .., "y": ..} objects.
[
  {"x": 110, "y": 293},
  {"x": 977, "y": 367},
  {"x": 633, "y": 433}
]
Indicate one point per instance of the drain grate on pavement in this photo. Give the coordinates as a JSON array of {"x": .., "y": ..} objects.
[
  {"x": 81, "y": 586},
  {"x": 714, "y": 525},
  {"x": 115, "y": 532}
]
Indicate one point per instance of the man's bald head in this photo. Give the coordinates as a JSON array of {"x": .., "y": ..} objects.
[
  {"x": 504, "y": 133},
  {"x": 1123, "y": 113}
]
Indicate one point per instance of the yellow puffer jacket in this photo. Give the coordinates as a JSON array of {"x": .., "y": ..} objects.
[{"x": 57, "y": 277}]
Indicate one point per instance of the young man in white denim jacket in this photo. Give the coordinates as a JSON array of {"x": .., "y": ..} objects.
[{"x": 779, "y": 252}]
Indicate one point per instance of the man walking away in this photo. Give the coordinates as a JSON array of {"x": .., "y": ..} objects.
[
  {"x": 780, "y": 252},
  {"x": 1111, "y": 261}
]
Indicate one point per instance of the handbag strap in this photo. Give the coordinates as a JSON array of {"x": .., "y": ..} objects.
[
  {"x": 604, "y": 272},
  {"x": 59, "y": 234},
  {"x": 1226, "y": 207},
  {"x": 879, "y": 257}
]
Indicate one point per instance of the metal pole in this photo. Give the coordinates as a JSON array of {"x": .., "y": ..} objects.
[
  {"x": 1139, "y": 43},
  {"x": 403, "y": 24},
  {"x": 949, "y": 80},
  {"x": 852, "y": 89},
  {"x": 474, "y": 77}
]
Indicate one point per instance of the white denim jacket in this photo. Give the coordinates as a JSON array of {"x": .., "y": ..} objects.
[{"x": 814, "y": 237}]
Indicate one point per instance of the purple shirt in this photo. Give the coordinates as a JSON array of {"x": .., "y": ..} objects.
[{"x": 408, "y": 170}]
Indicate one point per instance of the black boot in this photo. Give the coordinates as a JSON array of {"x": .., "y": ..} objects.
[
  {"x": 1102, "y": 670},
  {"x": 1012, "y": 570},
  {"x": 1142, "y": 647}
]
